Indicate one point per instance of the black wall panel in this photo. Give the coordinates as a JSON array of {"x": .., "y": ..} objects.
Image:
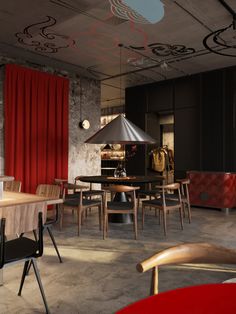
[
  {"x": 204, "y": 106},
  {"x": 186, "y": 140},
  {"x": 212, "y": 121},
  {"x": 160, "y": 97},
  {"x": 136, "y": 107},
  {"x": 229, "y": 103},
  {"x": 187, "y": 92}
]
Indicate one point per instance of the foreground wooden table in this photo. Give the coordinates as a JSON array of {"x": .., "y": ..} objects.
[
  {"x": 13, "y": 203},
  {"x": 202, "y": 299}
]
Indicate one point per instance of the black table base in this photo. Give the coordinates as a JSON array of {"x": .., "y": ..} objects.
[{"x": 120, "y": 218}]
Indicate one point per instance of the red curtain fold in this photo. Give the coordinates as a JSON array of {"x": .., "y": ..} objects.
[{"x": 36, "y": 126}]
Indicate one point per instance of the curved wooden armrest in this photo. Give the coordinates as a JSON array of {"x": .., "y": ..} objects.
[
  {"x": 72, "y": 186},
  {"x": 121, "y": 188},
  {"x": 189, "y": 253},
  {"x": 183, "y": 181},
  {"x": 168, "y": 186}
]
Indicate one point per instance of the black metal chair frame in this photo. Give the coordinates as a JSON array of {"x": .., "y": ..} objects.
[
  {"x": 48, "y": 225},
  {"x": 23, "y": 249}
]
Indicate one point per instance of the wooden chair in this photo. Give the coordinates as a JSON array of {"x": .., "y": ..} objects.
[
  {"x": 12, "y": 186},
  {"x": 150, "y": 192},
  {"x": 90, "y": 193},
  {"x": 185, "y": 253},
  {"x": 115, "y": 207},
  {"x": 81, "y": 203},
  {"x": 184, "y": 183},
  {"x": 51, "y": 190},
  {"x": 23, "y": 249},
  {"x": 163, "y": 204}
]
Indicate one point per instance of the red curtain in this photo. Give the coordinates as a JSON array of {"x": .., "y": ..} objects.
[{"x": 36, "y": 126}]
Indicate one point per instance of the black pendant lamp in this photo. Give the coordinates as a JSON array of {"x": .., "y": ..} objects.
[{"x": 120, "y": 130}]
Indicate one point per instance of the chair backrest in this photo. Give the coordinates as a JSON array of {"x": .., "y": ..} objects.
[
  {"x": 39, "y": 240},
  {"x": 12, "y": 186},
  {"x": 122, "y": 188},
  {"x": 77, "y": 183},
  {"x": 75, "y": 188},
  {"x": 186, "y": 253},
  {"x": 48, "y": 190},
  {"x": 184, "y": 183},
  {"x": 172, "y": 187},
  {"x": 61, "y": 183}
]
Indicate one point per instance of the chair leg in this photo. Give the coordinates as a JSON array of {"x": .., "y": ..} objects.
[
  {"x": 83, "y": 217},
  {"x": 36, "y": 271},
  {"x": 181, "y": 218},
  {"x": 135, "y": 226},
  {"x": 100, "y": 216},
  {"x": 164, "y": 222},
  {"x": 1, "y": 277},
  {"x": 138, "y": 200},
  {"x": 28, "y": 269},
  {"x": 79, "y": 220},
  {"x": 189, "y": 212},
  {"x": 105, "y": 226},
  {"x": 25, "y": 270},
  {"x": 61, "y": 217},
  {"x": 54, "y": 243},
  {"x": 150, "y": 198},
  {"x": 183, "y": 207},
  {"x": 143, "y": 208}
]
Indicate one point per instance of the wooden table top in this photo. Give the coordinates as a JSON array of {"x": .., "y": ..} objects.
[
  {"x": 21, "y": 211},
  {"x": 122, "y": 180},
  {"x": 18, "y": 198}
]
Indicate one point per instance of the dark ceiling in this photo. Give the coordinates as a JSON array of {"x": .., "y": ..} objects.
[{"x": 193, "y": 36}]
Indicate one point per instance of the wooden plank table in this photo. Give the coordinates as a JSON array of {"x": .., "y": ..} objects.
[{"x": 14, "y": 203}]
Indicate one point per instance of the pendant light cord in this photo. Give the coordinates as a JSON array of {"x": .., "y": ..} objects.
[
  {"x": 121, "y": 105},
  {"x": 80, "y": 99}
]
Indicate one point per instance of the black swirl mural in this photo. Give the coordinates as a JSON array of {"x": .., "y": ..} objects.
[
  {"x": 165, "y": 50},
  {"x": 222, "y": 41},
  {"x": 39, "y": 37}
]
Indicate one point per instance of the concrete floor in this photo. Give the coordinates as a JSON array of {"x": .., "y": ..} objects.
[{"x": 99, "y": 276}]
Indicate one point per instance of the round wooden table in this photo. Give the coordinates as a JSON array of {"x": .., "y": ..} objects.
[
  {"x": 129, "y": 180},
  {"x": 202, "y": 299}
]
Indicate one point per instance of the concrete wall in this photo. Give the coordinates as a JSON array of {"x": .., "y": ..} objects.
[{"x": 84, "y": 159}]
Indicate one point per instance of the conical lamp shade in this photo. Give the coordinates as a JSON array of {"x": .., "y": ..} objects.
[{"x": 120, "y": 131}]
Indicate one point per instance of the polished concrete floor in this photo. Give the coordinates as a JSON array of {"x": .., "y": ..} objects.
[{"x": 99, "y": 276}]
